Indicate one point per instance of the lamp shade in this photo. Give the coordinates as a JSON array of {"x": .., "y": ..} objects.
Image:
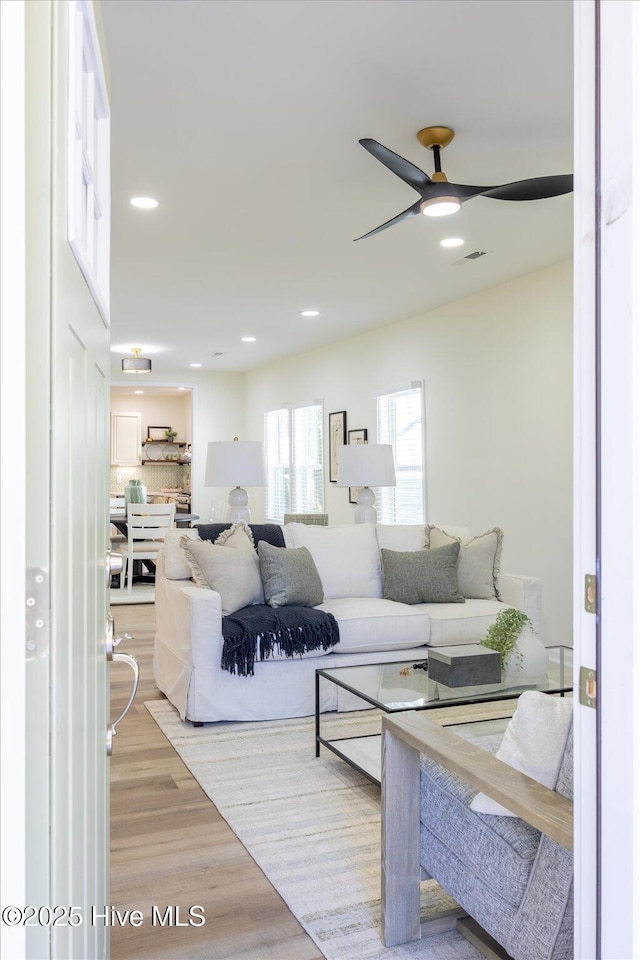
[
  {"x": 366, "y": 465},
  {"x": 235, "y": 463},
  {"x": 136, "y": 363}
]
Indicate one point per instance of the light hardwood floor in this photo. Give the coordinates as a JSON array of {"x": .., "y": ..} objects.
[{"x": 170, "y": 846}]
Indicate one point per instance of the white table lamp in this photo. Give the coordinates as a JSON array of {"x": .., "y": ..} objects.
[
  {"x": 236, "y": 463},
  {"x": 366, "y": 465}
]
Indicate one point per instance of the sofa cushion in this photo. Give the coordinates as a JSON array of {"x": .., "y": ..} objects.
[
  {"x": 400, "y": 536},
  {"x": 461, "y": 623},
  {"x": 422, "y": 576},
  {"x": 370, "y": 624},
  {"x": 347, "y": 557},
  {"x": 479, "y": 562},
  {"x": 499, "y": 850},
  {"x": 289, "y": 576},
  {"x": 234, "y": 574},
  {"x": 533, "y": 743}
]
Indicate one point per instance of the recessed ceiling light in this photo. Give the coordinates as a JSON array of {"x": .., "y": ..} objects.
[
  {"x": 195, "y": 364},
  {"x": 138, "y": 391},
  {"x": 248, "y": 339},
  {"x": 451, "y": 242},
  {"x": 309, "y": 313},
  {"x": 144, "y": 203},
  {"x": 182, "y": 388}
]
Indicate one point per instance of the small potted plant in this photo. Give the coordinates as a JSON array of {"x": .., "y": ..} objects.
[
  {"x": 170, "y": 433},
  {"x": 503, "y": 635},
  {"x": 521, "y": 651}
]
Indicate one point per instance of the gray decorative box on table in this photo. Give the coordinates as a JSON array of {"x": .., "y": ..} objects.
[{"x": 464, "y": 665}]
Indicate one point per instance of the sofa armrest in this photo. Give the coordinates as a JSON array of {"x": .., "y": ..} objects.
[
  {"x": 524, "y": 593},
  {"x": 404, "y": 738},
  {"x": 188, "y": 637}
]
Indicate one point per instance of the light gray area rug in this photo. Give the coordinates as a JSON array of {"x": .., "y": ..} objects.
[
  {"x": 140, "y": 593},
  {"x": 312, "y": 825}
]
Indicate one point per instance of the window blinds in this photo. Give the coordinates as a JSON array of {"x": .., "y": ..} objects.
[
  {"x": 400, "y": 423},
  {"x": 293, "y": 453}
]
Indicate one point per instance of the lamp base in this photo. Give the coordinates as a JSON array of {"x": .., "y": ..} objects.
[
  {"x": 238, "y": 509},
  {"x": 365, "y": 512}
]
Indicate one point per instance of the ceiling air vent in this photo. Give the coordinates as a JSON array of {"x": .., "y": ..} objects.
[
  {"x": 218, "y": 353},
  {"x": 474, "y": 255}
]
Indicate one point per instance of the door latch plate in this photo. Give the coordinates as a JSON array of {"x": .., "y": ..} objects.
[
  {"x": 588, "y": 687},
  {"x": 590, "y": 592}
]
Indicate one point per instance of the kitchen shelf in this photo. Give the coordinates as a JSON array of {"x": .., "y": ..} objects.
[
  {"x": 163, "y": 463},
  {"x": 178, "y": 443}
]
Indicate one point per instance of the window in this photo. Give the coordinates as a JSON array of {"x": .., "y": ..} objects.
[
  {"x": 400, "y": 423},
  {"x": 88, "y": 197},
  {"x": 293, "y": 452}
]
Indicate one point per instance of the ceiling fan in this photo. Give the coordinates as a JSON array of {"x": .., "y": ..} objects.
[{"x": 438, "y": 197}]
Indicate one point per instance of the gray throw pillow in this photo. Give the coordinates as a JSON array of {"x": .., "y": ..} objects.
[
  {"x": 422, "y": 576},
  {"x": 289, "y": 576}
]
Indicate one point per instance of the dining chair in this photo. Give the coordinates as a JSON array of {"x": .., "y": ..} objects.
[
  {"x": 116, "y": 505},
  {"x": 147, "y": 526}
]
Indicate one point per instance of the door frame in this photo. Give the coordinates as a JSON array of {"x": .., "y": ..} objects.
[
  {"x": 607, "y": 474},
  {"x": 13, "y": 455}
]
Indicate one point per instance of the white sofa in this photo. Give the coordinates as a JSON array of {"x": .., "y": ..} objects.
[{"x": 188, "y": 640}]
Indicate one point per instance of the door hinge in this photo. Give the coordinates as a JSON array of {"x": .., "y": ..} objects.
[
  {"x": 37, "y": 617},
  {"x": 590, "y": 592},
  {"x": 588, "y": 687}
]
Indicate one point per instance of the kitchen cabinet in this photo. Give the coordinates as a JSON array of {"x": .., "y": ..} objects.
[{"x": 126, "y": 439}]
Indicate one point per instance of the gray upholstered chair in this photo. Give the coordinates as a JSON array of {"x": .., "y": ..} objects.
[
  {"x": 509, "y": 875},
  {"x": 322, "y": 519}
]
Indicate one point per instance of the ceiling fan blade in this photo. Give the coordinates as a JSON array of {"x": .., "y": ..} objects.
[
  {"x": 412, "y": 175},
  {"x": 536, "y": 189},
  {"x": 409, "y": 212}
]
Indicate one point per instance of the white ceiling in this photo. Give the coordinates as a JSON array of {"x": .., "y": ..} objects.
[{"x": 242, "y": 117}]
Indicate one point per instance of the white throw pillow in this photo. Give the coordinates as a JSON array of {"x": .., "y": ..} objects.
[
  {"x": 234, "y": 574},
  {"x": 533, "y": 743},
  {"x": 347, "y": 557},
  {"x": 478, "y": 563}
]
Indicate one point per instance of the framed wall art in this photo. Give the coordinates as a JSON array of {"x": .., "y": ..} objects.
[
  {"x": 356, "y": 436},
  {"x": 157, "y": 433},
  {"x": 337, "y": 439}
]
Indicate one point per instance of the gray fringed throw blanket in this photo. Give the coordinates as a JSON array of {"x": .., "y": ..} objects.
[{"x": 293, "y": 630}]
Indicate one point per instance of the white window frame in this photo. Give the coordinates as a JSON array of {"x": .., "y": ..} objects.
[
  {"x": 389, "y": 500},
  {"x": 88, "y": 157},
  {"x": 276, "y": 506}
]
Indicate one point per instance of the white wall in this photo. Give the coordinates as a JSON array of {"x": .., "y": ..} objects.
[
  {"x": 497, "y": 369},
  {"x": 157, "y": 410}
]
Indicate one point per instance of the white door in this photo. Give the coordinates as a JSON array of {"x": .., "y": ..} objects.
[
  {"x": 607, "y": 475},
  {"x": 67, "y": 782}
]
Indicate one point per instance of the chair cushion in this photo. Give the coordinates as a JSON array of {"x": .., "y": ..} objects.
[
  {"x": 369, "y": 624},
  {"x": 533, "y": 743},
  {"x": 499, "y": 851}
]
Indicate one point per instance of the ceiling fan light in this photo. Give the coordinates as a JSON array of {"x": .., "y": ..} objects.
[{"x": 440, "y": 206}]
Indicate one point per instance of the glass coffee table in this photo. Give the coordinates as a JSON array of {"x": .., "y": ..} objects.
[{"x": 398, "y": 687}]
